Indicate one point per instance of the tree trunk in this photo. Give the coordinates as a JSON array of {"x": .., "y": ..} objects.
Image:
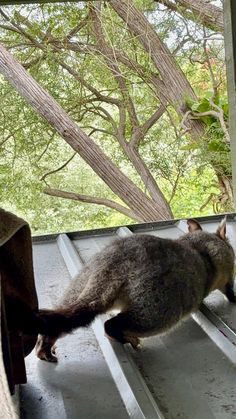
[
  {"x": 178, "y": 89},
  {"x": 200, "y": 11},
  {"x": 49, "y": 109}
]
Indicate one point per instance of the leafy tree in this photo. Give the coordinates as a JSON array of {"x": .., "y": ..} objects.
[{"x": 117, "y": 80}]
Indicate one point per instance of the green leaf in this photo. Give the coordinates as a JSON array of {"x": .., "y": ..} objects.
[
  {"x": 216, "y": 145},
  {"x": 190, "y": 146}
]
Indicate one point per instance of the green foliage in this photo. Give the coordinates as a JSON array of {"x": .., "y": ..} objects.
[
  {"x": 191, "y": 199},
  {"x": 213, "y": 147}
]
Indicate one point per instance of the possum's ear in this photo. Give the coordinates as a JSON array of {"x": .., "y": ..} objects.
[
  {"x": 193, "y": 225},
  {"x": 221, "y": 230}
]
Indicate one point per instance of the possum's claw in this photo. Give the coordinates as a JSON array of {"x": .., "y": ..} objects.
[
  {"x": 53, "y": 350},
  {"x": 45, "y": 350},
  {"x": 133, "y": 340},
  {"x": 47, "y": 357}
]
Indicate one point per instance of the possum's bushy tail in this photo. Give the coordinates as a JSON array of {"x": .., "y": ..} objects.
[
  {"x": 96, "y": 298},
  {"x": 68, "y": 316},
  {"x": 57, "y": 322},
  {"x": 48, "y": 322}
]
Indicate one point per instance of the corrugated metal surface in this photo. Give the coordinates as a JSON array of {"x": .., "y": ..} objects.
[{"x": 188, "y": 373}]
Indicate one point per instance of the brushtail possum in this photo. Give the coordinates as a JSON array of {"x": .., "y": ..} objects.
[{"x": 155, "y": 282}]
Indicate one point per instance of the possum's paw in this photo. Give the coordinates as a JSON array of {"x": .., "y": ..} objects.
[
  {"x": 45, "y": 350},
  {"x": 230, "y": 294},
  {"x": 134, "y": 341}
]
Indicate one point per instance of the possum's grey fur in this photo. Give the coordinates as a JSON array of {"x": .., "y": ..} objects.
[{"x": 155, "y": 282}]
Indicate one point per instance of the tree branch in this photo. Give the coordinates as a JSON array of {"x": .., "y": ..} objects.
[
  {"x": 103, "y": 131},
  {"x": 103, "y": 113},
  {"x": 178, "y": 86},
  {"x": 160, "y": 89},
  {"x": 34, "y": 61},
  {"x": 92, "y": 200},
  {"x": 111, "y": 61},
  {"x": 9, "y": 28},
  {"x": 80, "y": 78},
  {"x": 218, "y": 114},
  {"x": 76, "y": 29},
  {"x": 139, "y": 134},
  {"x": 201, "y": 11},
  {"x": 70, "y": 70},
  {"x": 22, "y": 31},
  {"x": 215, "y": 83},
  {"x": 147, "y": 178},
  {"x": 59, "y": 168}
]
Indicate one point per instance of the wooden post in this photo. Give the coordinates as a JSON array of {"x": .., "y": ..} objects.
[{"x": 230, "y": 56}]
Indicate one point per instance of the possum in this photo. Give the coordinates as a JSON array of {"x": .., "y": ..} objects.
[{"x": 155, "y": 282}]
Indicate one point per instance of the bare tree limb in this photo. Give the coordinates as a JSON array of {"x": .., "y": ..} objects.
[
  {"x": 209, "y": 199},
  {"x": 147, "y": 178},
  {"x": 6, "y": 139},
  {"x": 133, "y": 155},
  {"x": 9, "y": 28},
  {"x": 51, "y": 137},
  {"x": 86, "y": 84},
  {"x": 103, "y": 113},
  {"x": 36, "y": 60},
  {"x": 139, "y": 134},
  {"x": 76, "y": 29},
  {"x": 178, "y": 86},
  {"x": 215, "y": 83},
  {"x": 22, "y": 31},
  {"x": 218, "y": 114},
  {"x": 184, "y": 123},
  {"x": 160, "y": 90},
  {"x": 112, "y": 64},
  {"x": 70, "y": 70},
  {"x": 59, "y": 168},
  {"x": 201, "y": 11},
  {"x": 92, "y": 200},
  {"x": 103, "y": 131}
]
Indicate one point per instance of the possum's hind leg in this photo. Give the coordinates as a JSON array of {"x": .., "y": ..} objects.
[
  {"x": 45, "y": 348},
  {"x": 95, "y": 299},
  {"x": 124, "y": 329},
  {"x": 229, "y": 292}
]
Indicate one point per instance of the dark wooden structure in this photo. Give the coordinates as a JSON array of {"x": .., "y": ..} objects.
[
  {"x": 18, "y": 294},
  {"x": 13, "y": 352}
]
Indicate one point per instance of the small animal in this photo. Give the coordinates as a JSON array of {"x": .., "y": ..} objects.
[{"x": 154, "y": 282}]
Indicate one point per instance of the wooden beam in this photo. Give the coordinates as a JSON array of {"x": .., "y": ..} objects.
[{"x": 230, "y": 57}]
